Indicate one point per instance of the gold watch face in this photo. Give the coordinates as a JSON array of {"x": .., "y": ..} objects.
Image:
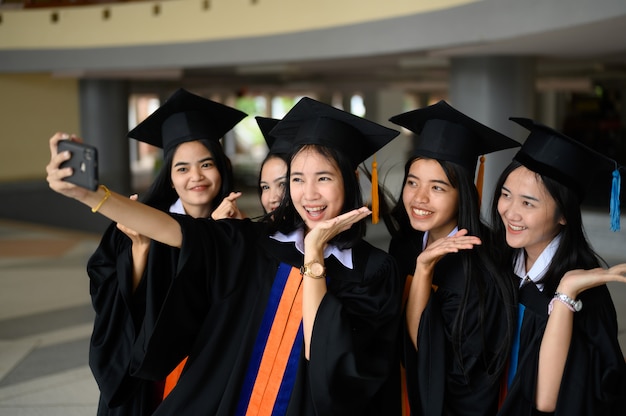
[{"x": 315, "y": 269}]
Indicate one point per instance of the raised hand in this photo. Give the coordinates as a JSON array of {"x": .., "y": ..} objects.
[
  {"x": 326, "y": 230},
  {"x": 452, "y": 244},
  {"x": 575, "y": 282},
  {"x": 228, "y": 208}
]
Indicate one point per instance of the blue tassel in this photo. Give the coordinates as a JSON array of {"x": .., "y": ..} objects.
[{"x": 614, "y": 205}]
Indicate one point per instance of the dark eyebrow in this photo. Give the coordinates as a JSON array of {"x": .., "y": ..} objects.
[
  {"x": 324, "y": 172},
  {"x": 532, "y": 198},
  {"x": 441, "y": 181},
  {"x": 206, "y": 159}
]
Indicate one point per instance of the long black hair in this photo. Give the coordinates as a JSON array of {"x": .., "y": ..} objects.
[
  {"x": 287, "y": 219},
  {"x": 162, "y": 194},
  {"x": 574, "y": 251},
  {"x": 476, "y": 262}
]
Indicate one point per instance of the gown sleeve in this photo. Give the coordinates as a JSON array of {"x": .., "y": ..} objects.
[
  {"x": 118, "y": 314},
  {"x": 450, "y": 376},
  {"x": 354, "y": 340},
  {"x": 208, "y": 268},
  {"x": 594, "y": 379}
]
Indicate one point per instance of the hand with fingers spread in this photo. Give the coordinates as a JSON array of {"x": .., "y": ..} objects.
[
  {"x": 452, "y": 244},
  {"x": 320, "y": 235},
  {"x": 575, "y": 282},
  {"x": 228, "y": 208}
]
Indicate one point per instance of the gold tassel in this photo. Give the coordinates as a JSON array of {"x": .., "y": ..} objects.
[
  {"x": 374, "y": 191},
  {"x": 479, "y": 179}
]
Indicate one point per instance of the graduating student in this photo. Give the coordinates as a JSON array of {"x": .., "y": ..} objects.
[
  {"x": 298, "y": 316},
  {"x": 566, "y": 359},
  {"x": 195, "y": 180},
  {"x": 457, "y": 308},
  {"x": 273, "y": 173}
]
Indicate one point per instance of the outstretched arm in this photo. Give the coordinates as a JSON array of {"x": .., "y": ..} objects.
[
  {"x": 420, "y": 290},
  {"x": 558, "y": 334},
  {"x": 143, "y": 219}
]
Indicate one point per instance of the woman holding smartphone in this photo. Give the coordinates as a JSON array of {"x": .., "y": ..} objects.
[
  {"x": 298, "y": 316},
  {"x": 196, "y": 180}
]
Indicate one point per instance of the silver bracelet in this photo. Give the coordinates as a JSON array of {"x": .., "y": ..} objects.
[{"x": 572, "y": 305}]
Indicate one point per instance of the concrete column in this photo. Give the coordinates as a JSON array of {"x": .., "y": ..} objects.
[
  {"x": 380, "y": 105},
  {"x": 104, "y": 123},
  {"x": 490, "y": 90}
]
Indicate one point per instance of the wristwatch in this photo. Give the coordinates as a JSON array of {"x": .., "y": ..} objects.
[
  {"x": 314, "y": 270},
  {"x": 573, "y": 305}
]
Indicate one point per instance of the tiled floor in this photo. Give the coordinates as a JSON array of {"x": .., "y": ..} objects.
[
  {"x": 45, "y": 314},
  {"x": 45, "y": 321}
]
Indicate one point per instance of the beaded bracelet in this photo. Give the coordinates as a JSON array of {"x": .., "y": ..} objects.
[{"x": 106, "y": 196}]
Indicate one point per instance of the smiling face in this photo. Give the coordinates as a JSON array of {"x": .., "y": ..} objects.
[
  {"x": 429, "y": 199},
  {"x": 195, "y": 178},
  {"x": 528, "y": 212},
  {"x": 316, "y": 187},
  {"x": 272, "y": 183}
]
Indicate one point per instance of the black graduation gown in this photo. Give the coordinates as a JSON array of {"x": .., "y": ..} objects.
[
  {"x": 119, "y": 313},
  {"x": 213, "y": 309},
  {"x": 594, "y": 380},
  {"x": 441, "y": 380}
]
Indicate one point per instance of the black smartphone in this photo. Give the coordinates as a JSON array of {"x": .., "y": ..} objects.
[{"x": 84, "y": 162}]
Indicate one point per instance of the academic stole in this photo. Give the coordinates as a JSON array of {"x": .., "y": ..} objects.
[
  {"x": 509, "y": 374},
  {"x": 272, "y": 369}
]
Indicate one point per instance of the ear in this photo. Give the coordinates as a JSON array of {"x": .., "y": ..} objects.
[{"x": 562, "y": 220}]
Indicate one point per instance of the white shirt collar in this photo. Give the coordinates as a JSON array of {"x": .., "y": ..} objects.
[
  {"x": 541, "y": 265},
  {"x": 297, "y": 237},
  {"x": 425, "y": 238},
  {"x": 177, "y": 207}
]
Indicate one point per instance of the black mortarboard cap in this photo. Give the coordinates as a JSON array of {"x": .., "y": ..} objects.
[
  {"x": 186, "y": 117},
  {"x": 313, "y": 122},
  {"x": 445, "y": 133},
  {"x": 566, "y": 160},
  {"x": 266, "y": 124},
  {"x": 562, "y": 158}
]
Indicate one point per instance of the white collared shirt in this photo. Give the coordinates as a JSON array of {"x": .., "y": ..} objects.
[
  {"x": 541, "y": 265},
  {"x": 177, "y": 207},
  {"x": 297, "y": 237}
]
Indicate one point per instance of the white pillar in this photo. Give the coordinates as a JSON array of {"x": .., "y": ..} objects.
[{"x": 490, "y": 90}]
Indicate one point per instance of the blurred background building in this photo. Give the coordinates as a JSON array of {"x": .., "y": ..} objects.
[{"x": 98, "y": 67}]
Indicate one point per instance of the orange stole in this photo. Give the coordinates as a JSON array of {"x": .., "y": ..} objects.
[
  {"x": 172, "y": 378},
  {"x": 278, "y": 347}
]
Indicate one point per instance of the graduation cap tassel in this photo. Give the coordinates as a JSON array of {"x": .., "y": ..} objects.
[
  {"x": 614, "y": 204},
  {"x": 479, "y": 179},
  {"x": 374, "y": 191}
]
